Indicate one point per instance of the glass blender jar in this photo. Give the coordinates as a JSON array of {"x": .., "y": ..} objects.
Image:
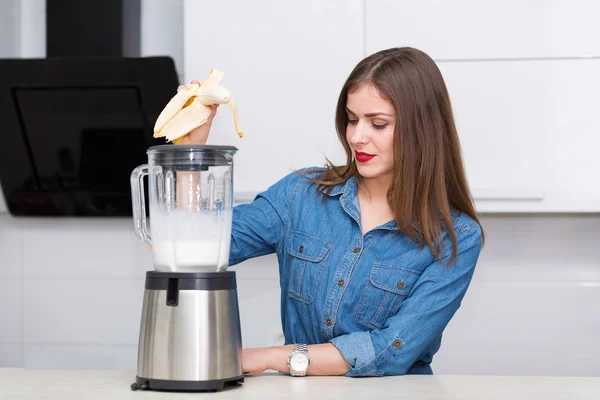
[{"x": 191, "y": 199}]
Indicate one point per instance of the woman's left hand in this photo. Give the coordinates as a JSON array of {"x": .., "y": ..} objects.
[
  {"x": 254, "y": 360},
  {"x": 325, "y": 360}
]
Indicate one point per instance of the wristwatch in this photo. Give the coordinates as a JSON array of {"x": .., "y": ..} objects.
[{"x": 299, "y": 360}]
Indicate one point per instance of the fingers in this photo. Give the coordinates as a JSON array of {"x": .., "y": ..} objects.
[
  {"x": 213, "y": 111},
  {"x": 182, "y": 87}
]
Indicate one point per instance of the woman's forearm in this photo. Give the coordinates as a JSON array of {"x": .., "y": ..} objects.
[{"x": 325, "y": 359}]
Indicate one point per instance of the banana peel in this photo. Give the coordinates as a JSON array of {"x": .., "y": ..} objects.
[{"x": 188, "y": 109}]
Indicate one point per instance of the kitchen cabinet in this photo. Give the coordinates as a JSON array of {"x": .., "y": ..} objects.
[{"x": 522, "y": 79}]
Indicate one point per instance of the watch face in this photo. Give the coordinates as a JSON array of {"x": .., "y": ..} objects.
[{"x": 299, "y": 362}]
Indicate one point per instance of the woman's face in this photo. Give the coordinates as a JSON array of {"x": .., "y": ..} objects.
[{"x": 370, "y": 132}]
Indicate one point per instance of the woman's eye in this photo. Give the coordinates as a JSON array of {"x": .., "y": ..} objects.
[
  {"x": 379, "y": 126},
  {"x": 352, "y": 121}
]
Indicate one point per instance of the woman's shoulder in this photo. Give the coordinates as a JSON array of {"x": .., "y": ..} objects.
[
  {"x": 295, "y": 181},
  {"x": 311, "y": 172},
  {"x": 308, "y": 182},
  {"x": 302, "y": 177},
  {"x": 465, "y": 227}
]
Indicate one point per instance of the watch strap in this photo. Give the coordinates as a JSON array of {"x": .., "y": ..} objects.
[{"x": 301, "y": 348}]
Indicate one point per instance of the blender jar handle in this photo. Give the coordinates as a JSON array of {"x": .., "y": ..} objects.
[{"x": 139, "y": 204}]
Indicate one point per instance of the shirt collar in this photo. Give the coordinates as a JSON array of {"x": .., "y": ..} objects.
[
  {"x": 349, "y": 192},
  {"x": 347, "y": 188},
  {"x": 350, "y": 189}
]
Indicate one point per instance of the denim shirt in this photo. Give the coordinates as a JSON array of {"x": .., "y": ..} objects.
[{"x": 380, "y": 298}]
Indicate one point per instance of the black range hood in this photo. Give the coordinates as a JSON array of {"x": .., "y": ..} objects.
[
  {"x": 73, "y": 125},
  {"x": 73, "y": 129}
]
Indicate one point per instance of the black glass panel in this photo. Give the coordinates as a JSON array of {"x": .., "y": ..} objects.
[{"x": 70, "y": 141}]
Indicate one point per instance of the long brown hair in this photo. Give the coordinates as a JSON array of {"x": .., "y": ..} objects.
[{"x": 429, "y": 178}]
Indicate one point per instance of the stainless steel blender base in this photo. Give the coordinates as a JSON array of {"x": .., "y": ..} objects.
[
  {"x": 184, "y": 386},
  {"x": 190, "y": 336}
]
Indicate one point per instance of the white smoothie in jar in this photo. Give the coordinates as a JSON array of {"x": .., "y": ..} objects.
[{"x": 185, "y": 241}]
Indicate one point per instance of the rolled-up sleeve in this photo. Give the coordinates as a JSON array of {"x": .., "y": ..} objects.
[
  {"x": 421, "y": 319},
  {"x": 258, "y": 227}
]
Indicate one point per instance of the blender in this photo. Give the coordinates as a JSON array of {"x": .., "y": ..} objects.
[{"x": 190, "y": 338}]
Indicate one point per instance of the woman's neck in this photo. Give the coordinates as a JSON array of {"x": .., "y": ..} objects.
[
  {"x": 374, "y": 207},
  {"x": 375, "y": 190}
]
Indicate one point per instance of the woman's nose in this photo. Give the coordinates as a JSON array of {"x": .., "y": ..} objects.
[{"x": 359, "y": 135}]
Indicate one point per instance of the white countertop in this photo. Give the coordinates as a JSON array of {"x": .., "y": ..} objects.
[{"x": 17, "y": 384}]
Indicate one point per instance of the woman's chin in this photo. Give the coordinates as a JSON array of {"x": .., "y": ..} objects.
[
  {"x": 368, "y": 171},
  {"x": 372, "y": 171}
]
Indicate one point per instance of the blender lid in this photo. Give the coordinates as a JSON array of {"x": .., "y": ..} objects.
[
  {"x": 191, "y": 147},
  {"x": 191, "y": 157}
]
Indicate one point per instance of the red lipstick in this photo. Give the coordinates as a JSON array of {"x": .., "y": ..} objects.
[{"x": 363, "y": 157}]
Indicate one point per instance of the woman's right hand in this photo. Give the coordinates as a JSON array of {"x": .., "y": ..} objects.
[{"x": 200, "y": 134}]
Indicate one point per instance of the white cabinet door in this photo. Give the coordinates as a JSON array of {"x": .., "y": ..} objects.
[
  {"x": 523, "y": 81},
  {"x": 530, "y": 132},
  {"x": 475, "y": 29},
  {"x": 501, "y": 111},
  {"x": 286, "y": 62}
]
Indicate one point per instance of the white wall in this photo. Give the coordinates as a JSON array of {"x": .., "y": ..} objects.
[
  {"x": 32, "y": 29},
  {"x": 162, "y": 30},
  {"x": 71, "y": 289},
  {"x": 9, "y": 27}
]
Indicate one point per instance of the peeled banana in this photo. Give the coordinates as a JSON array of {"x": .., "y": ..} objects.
[{"x": 188, "y": 109}]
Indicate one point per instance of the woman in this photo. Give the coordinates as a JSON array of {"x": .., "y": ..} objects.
[{"x": 376, "y": 255}]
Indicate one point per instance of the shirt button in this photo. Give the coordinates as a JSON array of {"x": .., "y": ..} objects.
[
  {"x": 397, "y": 344},
  {"x": 341, "y": 282},
  {"x": 401, "y": 285},
  {"x": 329, "y": 322},
  {"x": 301, "y": 249},
  {"x": 357, "y": 249}
]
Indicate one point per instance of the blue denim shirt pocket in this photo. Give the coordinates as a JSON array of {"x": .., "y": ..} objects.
[
  {"x": 382, "y": 295},
  {"x": 307, "y": 261}
]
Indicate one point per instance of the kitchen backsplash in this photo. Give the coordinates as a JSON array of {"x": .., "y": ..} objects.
[{"x": 71, "y": 294}]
